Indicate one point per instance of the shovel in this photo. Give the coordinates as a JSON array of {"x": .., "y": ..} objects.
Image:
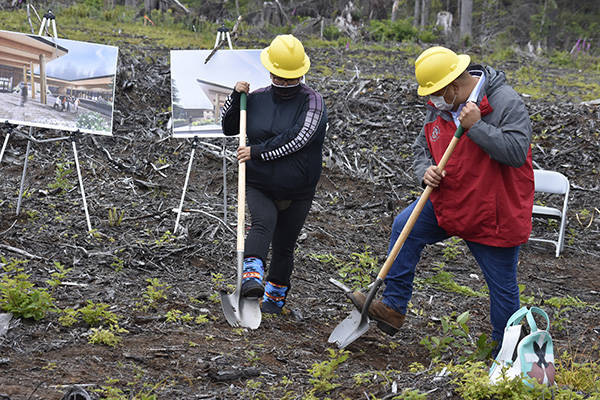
[
  {"x": 357, "y": 323},
  {"x": 239, "y": 310}
]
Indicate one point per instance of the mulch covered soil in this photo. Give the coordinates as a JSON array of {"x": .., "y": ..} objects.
[{"x": 138, "y": 175}]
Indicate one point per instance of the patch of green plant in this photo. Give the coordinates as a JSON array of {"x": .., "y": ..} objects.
[
  {"x": 107, "y": 337},
  {"x": 58, "y": 276},
  {"x": 451, "y": 249},
  {"x": 95, "y": 314},
  {"x": 21, "y": 297},
  {"x": 410, "y": 394},
  {"x": 155, "y": 292},
  {"x": 524, "y": 299},
  {"x": 165, "y": 238},
  {"x": 201, "y": 319},
  {"x": 32, "y": 215},
  {"x": 454, "y": 338},
  {"x": 574, "y": 382},
  {"x": 108, "y": 392},
  {"x": 579, "y": 376},
  {"x": 118, "y": 264},
  {"x": 115, "y": 217},
  {"x": 331, "y": 32},
  {"x": 356, "y": 273},
  {"x": 61, "y": 181},
  {"x": 445, "y": 280},
  {"x": 324, "y": 372},
  {"x": 68, "y": 317},
  {"x": 173, "y": 315},
  {"x": 397, "y": 31},
  {"x": 569, "y": 301}
]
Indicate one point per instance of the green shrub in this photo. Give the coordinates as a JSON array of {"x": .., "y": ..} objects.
[
  {"x": 19, "y": 296},
  {"x": 398, "y": 31},
  {"x": 331, "y": 32}
]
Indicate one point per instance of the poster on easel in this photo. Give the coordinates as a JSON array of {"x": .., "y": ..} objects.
[
  {"x": 57, "y": 83},
  {"x": 199, "y": 89}
]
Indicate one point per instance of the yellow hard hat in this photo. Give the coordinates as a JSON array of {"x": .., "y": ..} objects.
[
  {"x": 436, "y": 67},
  {"x": 285, "y": 57}
]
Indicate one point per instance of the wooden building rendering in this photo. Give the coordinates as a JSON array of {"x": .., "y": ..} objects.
[{"x": 19, "y": 54}]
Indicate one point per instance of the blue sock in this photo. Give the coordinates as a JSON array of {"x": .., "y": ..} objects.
[{"x": 253, "y": 270}]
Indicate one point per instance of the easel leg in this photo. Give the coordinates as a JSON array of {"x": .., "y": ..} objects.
[
  {"x": 24, "y": 170},
  {"x": 87, "y": 215},
  {"x": 224, "y": 182},
  {"x": 185, "y": 184},
  {"x": 4, "y": 146}
]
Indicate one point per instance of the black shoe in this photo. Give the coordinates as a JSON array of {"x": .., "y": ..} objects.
[
  {"x": 269, "y": 307},
  {"x": 252, "y": 288}
]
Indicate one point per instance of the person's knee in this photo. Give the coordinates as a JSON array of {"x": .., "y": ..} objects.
[{"x": 399, "y": 222}]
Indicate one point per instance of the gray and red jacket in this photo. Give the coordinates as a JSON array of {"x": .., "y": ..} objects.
[
  {"x": 286, "y": 140},
  {"x": 487, "y": 194}
]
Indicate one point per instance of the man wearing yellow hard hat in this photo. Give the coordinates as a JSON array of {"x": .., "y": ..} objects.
[
  {"x": 285, "y": 129},
  {"x": 485, "y": 193}
]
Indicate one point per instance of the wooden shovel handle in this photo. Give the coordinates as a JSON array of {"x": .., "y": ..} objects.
[
  {"x": 418, "y": 208},
  {"x": 241, "y": 205}
]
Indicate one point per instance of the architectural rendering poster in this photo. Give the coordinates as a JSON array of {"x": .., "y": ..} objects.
[
  {"x": 199, "y": 89},
  {"x": 57, "y": 83}
]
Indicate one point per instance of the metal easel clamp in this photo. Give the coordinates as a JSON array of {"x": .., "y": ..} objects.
[
  {"x": 76, "y": 135},
  {"x": 48, "y": 18},
  {"x": 222, "y": 34}
]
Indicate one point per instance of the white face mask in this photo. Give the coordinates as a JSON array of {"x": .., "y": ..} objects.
[{"x": 440, "y": 103}]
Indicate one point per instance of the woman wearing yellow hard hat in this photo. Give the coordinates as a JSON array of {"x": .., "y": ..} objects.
[
  {"x": 285, "y": 129},
  {"x": 485, "y": 193}
]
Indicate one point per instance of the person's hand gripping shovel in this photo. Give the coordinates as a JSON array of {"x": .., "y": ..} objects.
[
  {"x": 357, "y": 323},
  {"x": 239, "y": 310}
]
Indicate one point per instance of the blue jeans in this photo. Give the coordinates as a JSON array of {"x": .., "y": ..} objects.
[{"x": 498, "y": 264}]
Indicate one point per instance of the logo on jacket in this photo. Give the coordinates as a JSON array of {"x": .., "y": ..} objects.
[{"x": 435, "y": 134}]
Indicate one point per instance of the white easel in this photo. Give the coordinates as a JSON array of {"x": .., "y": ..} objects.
[
  {"x": 222, "y": 35},
  {"x": 48, "y": 21}
]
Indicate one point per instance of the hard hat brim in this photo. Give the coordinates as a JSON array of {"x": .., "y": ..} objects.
[
  {"x": 283, "y": 73},
  {"x": 463, "y": 63}
]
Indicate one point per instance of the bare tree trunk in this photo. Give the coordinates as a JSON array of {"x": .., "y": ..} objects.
[
  {"x": 425, "y": 13},
  {"x": 395, "y": 10},
  {"x": 110, "y": 4},
  {"x": 417, "y": 15},
  {"x": 466, "y": 19},
  {"x": 131, "y": 3},
  {"x": 150, "y": 5}
]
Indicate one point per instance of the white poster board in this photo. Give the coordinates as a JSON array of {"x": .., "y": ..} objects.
[
  {"x": 57, "y": 83},
  {"x": 198, "y": 89}
]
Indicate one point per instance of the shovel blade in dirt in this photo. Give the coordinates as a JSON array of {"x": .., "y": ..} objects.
[
  {"x": 241, "y": 311},
  {"x": 356, "y": 323},
  {"x": 349, "y": 330}
]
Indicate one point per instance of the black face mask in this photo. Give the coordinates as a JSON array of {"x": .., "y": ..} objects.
[{"x": 286, "y": 92}]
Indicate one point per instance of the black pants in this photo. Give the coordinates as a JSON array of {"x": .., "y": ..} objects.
[{"x": 275, "y": 223}]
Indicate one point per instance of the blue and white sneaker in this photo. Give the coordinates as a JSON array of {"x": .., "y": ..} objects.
[{"x": 252, "y": 277}]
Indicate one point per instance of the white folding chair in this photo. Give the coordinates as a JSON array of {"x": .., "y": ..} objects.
[{"x": 555, "y": 183}]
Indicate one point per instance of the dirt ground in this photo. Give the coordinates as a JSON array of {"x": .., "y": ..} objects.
[{"x": 139, "y": 174}]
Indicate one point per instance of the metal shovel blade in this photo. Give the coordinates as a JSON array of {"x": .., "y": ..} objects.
[
  {"x": 230, "y": 305},
  {"x": 357, "y": 323},
  {"x": 241, "y": 311},
  {"x": 350, "y": 329}
]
